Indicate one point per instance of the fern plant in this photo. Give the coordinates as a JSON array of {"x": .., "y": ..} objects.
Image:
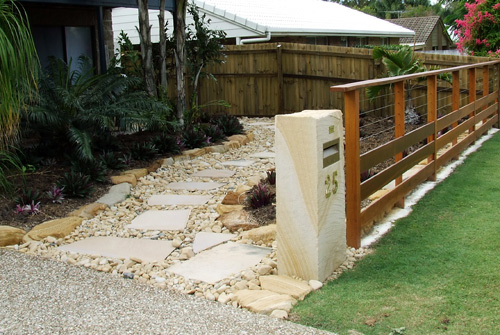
[{"x": 76, "y": 107}]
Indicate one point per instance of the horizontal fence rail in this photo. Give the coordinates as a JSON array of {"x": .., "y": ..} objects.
[
  {"x": 415, "y": 156},
  {"x": 280, "y": 78}
]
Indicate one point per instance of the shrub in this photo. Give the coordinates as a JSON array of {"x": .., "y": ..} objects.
[
  {"x": 271, "y": 177},
  {"x": 194, "y": 137},
  {"x": 166, "y": 144},
  {"x": 213, "y": 132},
  {"x": 27, "y": 196},
  {"x": 76, "y": 185},
  {"x": 30, "y": 209},
  {"x": 229, "y": 124},
  {"x": 56, "y": 195},
  {"x": 126, "y": 159},
  {"x": 111, "y": 160},
  {"x": 259, "y": 196},
  {"x": 95, "y": 169},
  {"x": 143, "y": 151}
]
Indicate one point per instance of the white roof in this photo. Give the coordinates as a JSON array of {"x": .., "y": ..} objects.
[
  {"x": 302, "y": 17},
  {"x": 255, "y": 18}
]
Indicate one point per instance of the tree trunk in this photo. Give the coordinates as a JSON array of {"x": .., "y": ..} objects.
[
  {"x": 180, "y": 57},
  {"x": 146, "y": 48},
  {"x": 163, "y": 48}
]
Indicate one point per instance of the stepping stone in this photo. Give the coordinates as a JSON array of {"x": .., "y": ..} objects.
[
  {"x": 264, "y": 301},
  {"x": 204, "y": 240},
  {"x": 174, "y": 199},
  {"x": 161, "y": 220},
  {"x": 285, "y": 285},
  {"x": 117, "y": 247},
  {"x": 264, "y": 154},
  {"x": 194, "y": 186},
  {"x": 116, "y": 194},
  {"x": 239, "y": 162},
  {"x": 220, "y": 262},
  {"x": 260, "y": 123},
  {"x": 212, "y": 173}
]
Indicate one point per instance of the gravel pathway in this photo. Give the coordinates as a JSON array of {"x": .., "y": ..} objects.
[{"x": 42, "y": 296}]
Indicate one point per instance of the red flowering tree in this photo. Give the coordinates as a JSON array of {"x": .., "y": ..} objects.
[{"x": 479, "y": 31}]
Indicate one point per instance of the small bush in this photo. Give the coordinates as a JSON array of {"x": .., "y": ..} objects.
[
  {"x": 111, "y": 160},
  {"x": 214, "y": 133},
  {"x": 194, "y": 137},
  {"x": 56, "y": 195},
  {"x": 166, "y": 144},
  {"x": 229, "y": 124},
  {"x": 259, "y": 196},
  {"x": 143, "y": 151},
  {"x": 271, "y": 177},
  {"x": 126, "y": 159},
  {"x": 76, "y": 185},
  {"x": 28, "y": 196},
  {"x": 30, "y": 209},
  {"x": 95, "y": 169}
]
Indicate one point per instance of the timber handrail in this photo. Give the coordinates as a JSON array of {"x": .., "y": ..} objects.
[{"x": 437, "y": 142}]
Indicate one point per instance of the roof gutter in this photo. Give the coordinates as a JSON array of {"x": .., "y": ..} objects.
[{"x": 239, "y": 41}]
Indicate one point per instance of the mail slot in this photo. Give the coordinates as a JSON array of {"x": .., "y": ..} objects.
[{"x": 331, "y": 152}]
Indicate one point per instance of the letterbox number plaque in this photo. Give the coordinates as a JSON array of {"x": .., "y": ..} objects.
[{"x": 332, "y": 185}]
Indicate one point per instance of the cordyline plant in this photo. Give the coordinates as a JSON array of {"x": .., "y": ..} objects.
[{"x": 478, "y": 32}]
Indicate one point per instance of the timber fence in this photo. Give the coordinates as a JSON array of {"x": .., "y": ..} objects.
[
  {"x": 281, "y": 78},
  {"x": 455, "y": 118}
]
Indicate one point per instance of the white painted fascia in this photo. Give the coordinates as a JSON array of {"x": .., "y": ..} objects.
[{"x": 233, "y": 18}]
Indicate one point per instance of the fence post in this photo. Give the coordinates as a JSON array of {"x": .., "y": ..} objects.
[
  {"x": 353, "y": 173},
  {"x": 486, "y": 84},
  {"x": 455, "y": 98},
  {"x": 472, "y": 95},
  {"x": 432, "y": 117},
  {"x": 498, "y": 88},
  {"x": 279, "y": 63},
  {"x": 399, "y": 121}
]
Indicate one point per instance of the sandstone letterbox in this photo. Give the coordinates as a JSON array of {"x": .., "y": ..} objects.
[{"x": 310, "y": 201}]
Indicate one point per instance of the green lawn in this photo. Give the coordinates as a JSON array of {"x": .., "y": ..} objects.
[{"x": 436, "y": 272}]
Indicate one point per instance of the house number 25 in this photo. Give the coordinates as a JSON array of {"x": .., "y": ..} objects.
[{"x": 332, "y": 185}]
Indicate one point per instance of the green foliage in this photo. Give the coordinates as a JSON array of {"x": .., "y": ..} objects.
[
  {"x": 127, "y": 58},
  {"x": 111, "y": 160},
  {"x": 229, "y": 124},
  {"x": 55, "y": 194},
  {"x": 76, "y": 185},
  {"x": 95, "y": 169},
  {"x": 203, "y": 47},
  {"x": 77, "y": 107},
  {"x": 18, "y": 69},
  {"x": 194, "y": 137},
  {"x": 271, "y": 177},
  {"x": 143, "y": 151},
  {"x": 213, "y": 132},
  {"x": 166, "y": 144},
  {"x": 10, "y": 164},
  {"x": 27, "y": 196},
  {"x": 259, "y": 196}
]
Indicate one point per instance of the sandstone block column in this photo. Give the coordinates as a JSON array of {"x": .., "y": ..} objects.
[{"x": 310, "y": 200}]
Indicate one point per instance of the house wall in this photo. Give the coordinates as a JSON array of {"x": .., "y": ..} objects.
[{"x": 46, "y": 18}]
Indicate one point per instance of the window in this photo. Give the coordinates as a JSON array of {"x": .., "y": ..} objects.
[{"x": 67, "y": 43}]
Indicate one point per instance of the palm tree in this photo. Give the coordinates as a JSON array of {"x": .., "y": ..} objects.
[{"x": 18, "y": 69}]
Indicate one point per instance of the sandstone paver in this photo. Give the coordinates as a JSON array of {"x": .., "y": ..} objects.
[
  {"x": 161, "y": 220},
  {"x": 239, "y": 163},
  {"x": 177, "y": 199},
  {"x": 220, "y": 262},
  {"x": 117, "y": 247},
  {"x": 194, "y": 186},
  {"x": 205, "y": 240},
  {"x": 214, "y": 173}
]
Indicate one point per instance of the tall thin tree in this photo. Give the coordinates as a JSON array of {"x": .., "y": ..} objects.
[
  {"x": 146, "y": 47},
  {"x": 163, "y": 47},
  {"x": 180, "y": 57}
]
